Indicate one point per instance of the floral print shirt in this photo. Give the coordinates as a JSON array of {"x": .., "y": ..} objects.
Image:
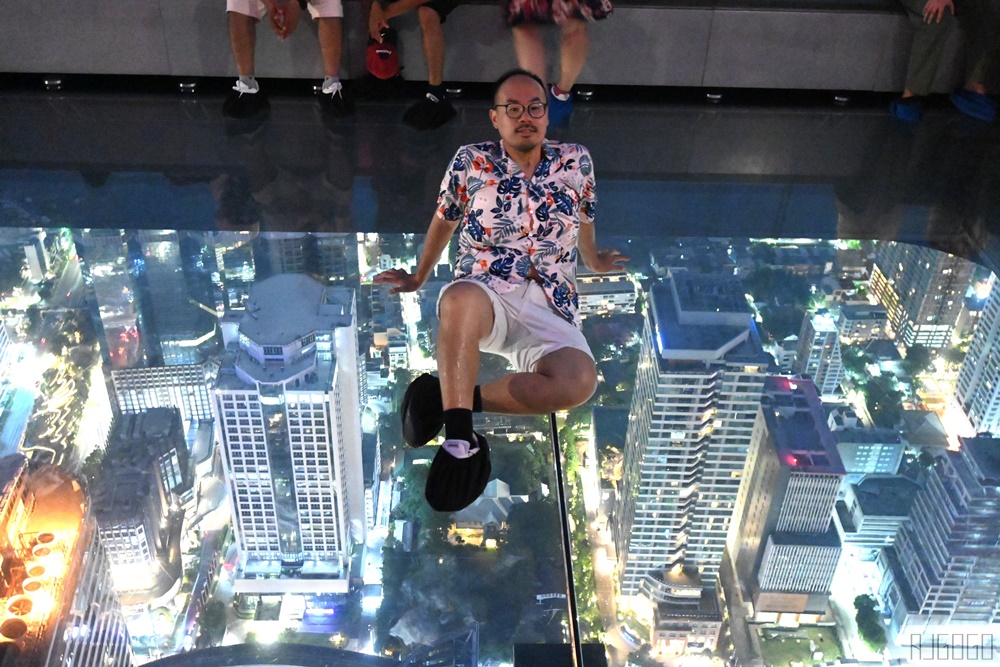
[{"x": 510, "y": 222}]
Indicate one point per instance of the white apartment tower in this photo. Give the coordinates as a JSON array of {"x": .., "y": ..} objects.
[
  {"x": 977, "y": 391},
  {"x": 819, "y": 353},
  {"x": 922, "y": 290},
  {"x": 701, "y": 371},
  {"x": 945, "y": 565},
  {"x": 783, "y": 539},
  {"x": 287, "y": 400}
]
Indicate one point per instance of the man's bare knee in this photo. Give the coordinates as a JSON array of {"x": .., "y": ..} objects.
[
  {"x": 462, "y": 295},
  {"x": 428, "y": 18},
  {"x": 584, "y": 383},
  {"x": 575, "y": 373}
]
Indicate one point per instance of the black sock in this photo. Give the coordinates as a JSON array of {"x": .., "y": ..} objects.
[
  {"x": 477, "y": 400},
  {"x": 437, "y": 91},
  {"x": 458, "y": 425}
]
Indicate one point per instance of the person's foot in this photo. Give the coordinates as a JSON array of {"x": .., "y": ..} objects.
[
  {"x": 429, "y": 113},
  {"x": 559, "y": 110},
  {"x": 909, "y": 109},
  {"x": 333, "y": 101},
  {"x": 245, "y": 101},
  {"x": 977, "y": 105},
  {"x": 458, "y": 475},
  {"x": 422, "y": 411}
]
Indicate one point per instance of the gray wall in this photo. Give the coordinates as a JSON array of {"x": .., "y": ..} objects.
[{"x": 655, "y": 46}]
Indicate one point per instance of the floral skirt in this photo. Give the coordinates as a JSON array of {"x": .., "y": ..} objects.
[{"x": 555, "y": 11}]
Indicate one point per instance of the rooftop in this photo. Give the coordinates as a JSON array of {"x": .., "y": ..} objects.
[
  {"x": 885, "y": 496},
  {"x": 690, "y": 326},
  {"x": 923, "y": 428},
  {"x": 798, "y": 426},
  {"x": 120, "y": 494},
  {"x": 867, "y": 436},
  {"x": 828, "y": 539},
  {"x": 857, "y": 311},
  {"x": 985, "y": 453},
  {"x": 289, "y": 306}
]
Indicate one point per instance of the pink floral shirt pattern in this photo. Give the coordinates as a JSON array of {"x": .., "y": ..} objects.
[{"x": 510, "y": 223}]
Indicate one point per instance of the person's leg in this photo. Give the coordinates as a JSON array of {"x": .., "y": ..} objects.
[
  {"x": 243, "y": 39},
  {"x": 432, "y": 34},
  {"x": 466, "y": 317},
  {"x": 530, "y": 49},
  {"x": 433, "y": 110},
  {"x": 572, "y": 53},
  {"x": 562, "y": 379},
  {"x": 927, "y": 50},
  {"x": 331, "y": 44},
  {"x": 980, "y": 21}
]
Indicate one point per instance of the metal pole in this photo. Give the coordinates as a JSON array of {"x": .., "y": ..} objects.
[{"x": 574, "y": 618}]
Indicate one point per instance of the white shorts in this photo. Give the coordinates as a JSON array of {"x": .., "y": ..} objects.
[
  {"x": 318, "y": 9},
  {"x": 525, "y": 326}
]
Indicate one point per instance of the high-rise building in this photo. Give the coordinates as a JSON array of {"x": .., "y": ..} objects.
[
  {"x": 335, "y": 259},
  {"x": 98, "y": 414},
  {"x": 873, "y": 510},
  {"x": 288, "y": 406},
  {"x": 977, "y": 391},
  {"x": 59, "y": 605},
  {"x": 128, "y": 512},
  {"x": 700, "y": 375},
  {"x": 175, "y": 296},
  {"x": 922, "y": 290},
  {"x": 37, "y": 255},
  {"x": 185, "y": 387},
  {"x": 819, "y": 353},
  {"x": 783, "y": 540},
  {"x": 599, "y": 293},
  {"x": 945, "y": 566},
  {"x": 860, "y": 322},
  {"x": 105, "y": 267},
  {"x": 153, "y": 440},
  {"x": 284, "y": 252}
]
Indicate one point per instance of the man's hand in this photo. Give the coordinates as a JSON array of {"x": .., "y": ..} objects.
[
  {"x": 377, "y": 21},
  {"x": 284, "y": 16},
  {"x": 608, "y": 260},
  {"x": 934, "y": 10},
  {"x": 400, "y": 279}
]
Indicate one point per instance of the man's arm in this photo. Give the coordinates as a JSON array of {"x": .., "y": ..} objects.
[
  {"x": 602, "y": 260},
  {"x": 438, "y": 235}
]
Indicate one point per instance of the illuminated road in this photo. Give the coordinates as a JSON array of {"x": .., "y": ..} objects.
[{"x": 68, "y": 291}]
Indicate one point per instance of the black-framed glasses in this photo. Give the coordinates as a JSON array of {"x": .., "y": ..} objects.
[{"x": 515, "y": 111}]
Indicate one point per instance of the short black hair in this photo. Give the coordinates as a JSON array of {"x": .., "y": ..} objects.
[{"x": 510, "y": 74}]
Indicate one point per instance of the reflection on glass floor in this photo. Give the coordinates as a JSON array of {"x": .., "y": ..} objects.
[{"x": 190, "y": 328}]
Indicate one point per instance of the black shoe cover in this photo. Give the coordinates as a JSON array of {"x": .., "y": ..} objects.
[
  {"x": 454, "y": 484},
  {"x": 421, "y": 411}
]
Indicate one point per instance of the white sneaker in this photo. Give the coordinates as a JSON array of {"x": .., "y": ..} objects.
[{"x": 242, "y": 88}]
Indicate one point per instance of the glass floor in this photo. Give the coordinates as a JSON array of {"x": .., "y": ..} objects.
[{"x": 237, "y": 503}]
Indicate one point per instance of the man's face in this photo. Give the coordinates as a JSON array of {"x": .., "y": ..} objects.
[{"x": 524, "y": 133}]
